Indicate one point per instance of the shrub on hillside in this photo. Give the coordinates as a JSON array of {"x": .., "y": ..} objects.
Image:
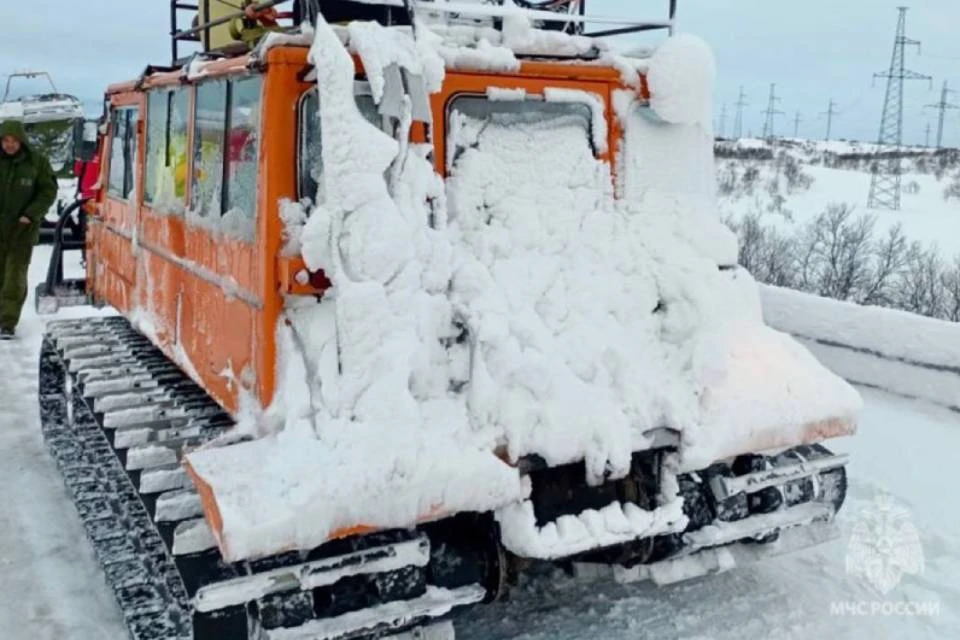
[
  {"x": 953, "y": 188},
  {"x": 838, "y": 255}
]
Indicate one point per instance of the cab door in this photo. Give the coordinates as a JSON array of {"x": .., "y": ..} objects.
[
  {"x": 220, "y": 299},
  {"x": 112, "y": 227}
]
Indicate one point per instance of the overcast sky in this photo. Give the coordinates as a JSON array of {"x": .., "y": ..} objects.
[{"x": 814, "y": 50}]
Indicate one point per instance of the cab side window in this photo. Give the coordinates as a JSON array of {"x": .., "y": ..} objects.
[
  {"x": 209, "y": 135},
  {"x": 167, "y": 128},
  {"x": 226, "y": 143},
  {"x": 123, "y": 152},
  {"x": 243, "y": 141}
]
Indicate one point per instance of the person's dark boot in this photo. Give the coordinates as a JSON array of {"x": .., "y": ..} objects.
[{"x": 6, "y": 334}]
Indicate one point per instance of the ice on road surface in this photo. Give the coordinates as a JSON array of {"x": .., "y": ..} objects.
[{"x": 52, "y": 589}]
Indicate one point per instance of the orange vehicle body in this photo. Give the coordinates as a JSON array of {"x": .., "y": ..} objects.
[{"x": 212, "y": 302}]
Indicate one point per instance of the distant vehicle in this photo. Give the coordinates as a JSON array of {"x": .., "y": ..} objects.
[{"x": 54, "y": 120}]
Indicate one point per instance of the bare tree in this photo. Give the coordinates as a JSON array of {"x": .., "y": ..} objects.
[
  {"x": 921, "y": 286},
  {"x": 952, "y": 189},
  {"x": 950, "y": 280},
  {"x": 750, "y": 178},
  {"x": 836, "y": 254},
  {"x": 766, "y": 253},
  {"x": 889, "y": 261},
  {"x": 727, "y": 179}
]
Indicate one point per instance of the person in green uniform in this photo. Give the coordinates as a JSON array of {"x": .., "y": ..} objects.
[{"x": 28, "y": 188}]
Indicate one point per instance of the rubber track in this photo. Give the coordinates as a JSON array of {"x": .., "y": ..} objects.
[
  {"x": 137, "y": 565},
  {"x": 154, "y": 587}
]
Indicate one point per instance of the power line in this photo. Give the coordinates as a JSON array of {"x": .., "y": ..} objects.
[
  {"x": 771, "y": 113},
  {"x": 723, "y": 120},
  {"x": 738, "y": 122},
  {"x": 936, "y": 57},
  {"x": 830, "y": 112},
  {"x": 942, "y": 107},
  {"x": 796, "y": 125},
  {"x": 885, "y": 182},
  {"x": 927, "y": 143}
]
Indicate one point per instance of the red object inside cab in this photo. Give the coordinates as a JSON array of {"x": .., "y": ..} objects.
[{"x": 88, "y": 174}]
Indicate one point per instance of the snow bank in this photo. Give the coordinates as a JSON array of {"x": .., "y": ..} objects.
[
  {"x": 887, "y": 348},
  {"x": 889, "y": 333},
  {"x": 519, "y": 308}
]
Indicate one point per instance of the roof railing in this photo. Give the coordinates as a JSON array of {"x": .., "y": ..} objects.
[
  {"x": 560, "y": 15},
  {"x": 563, "y": 15}
]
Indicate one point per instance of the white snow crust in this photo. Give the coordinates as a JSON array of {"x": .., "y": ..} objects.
[
  {"x": 11, "y": 111},
  {"x": 598, "y": 123},
  {"x": 519, "y": 308},
  {"x": 681, "y": 76},
  {"x": 592, "y": 529}
]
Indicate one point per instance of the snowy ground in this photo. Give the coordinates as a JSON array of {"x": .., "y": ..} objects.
[
  {"x": 50, "y": 585},
  {"x": 51, "y": 588},
  {"x": 904, "y": 448},
  {"x": 925, "y": 215}
]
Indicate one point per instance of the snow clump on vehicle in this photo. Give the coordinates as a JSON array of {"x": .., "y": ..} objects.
[{"x": 516, "y": 309}]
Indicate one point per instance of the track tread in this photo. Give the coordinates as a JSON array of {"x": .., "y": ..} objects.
[{"x": 117, "y": 417}]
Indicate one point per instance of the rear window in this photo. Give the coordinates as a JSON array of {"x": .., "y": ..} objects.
[{"x": 530, "y": 111}]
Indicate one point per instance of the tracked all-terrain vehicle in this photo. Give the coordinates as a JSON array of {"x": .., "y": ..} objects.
[{"x": 368, "y": 363}]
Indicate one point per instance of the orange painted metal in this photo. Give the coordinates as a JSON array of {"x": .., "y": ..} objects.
[
  {"x": 781, "y": 438},
  {"x": 210, "y": 509}
]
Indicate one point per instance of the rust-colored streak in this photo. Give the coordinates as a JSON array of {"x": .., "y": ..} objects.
[{"x": 811, "y": 433}]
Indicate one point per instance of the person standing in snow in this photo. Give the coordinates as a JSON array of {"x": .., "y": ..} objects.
[{"x": 28, "y": 188}]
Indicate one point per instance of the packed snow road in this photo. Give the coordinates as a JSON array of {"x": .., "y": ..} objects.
[{"x": 51, "y": 587}]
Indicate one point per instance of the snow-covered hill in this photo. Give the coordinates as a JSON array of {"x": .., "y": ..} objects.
[
  {"x": 800, "y": 210},
  {"x": 838, "y": 172}
]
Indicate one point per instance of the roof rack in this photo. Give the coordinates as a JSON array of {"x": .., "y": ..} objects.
[
  {"x": 210, "y": 18},
  {"x": 215, "y": 23},
  {"x": 561, "y": 15}
]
